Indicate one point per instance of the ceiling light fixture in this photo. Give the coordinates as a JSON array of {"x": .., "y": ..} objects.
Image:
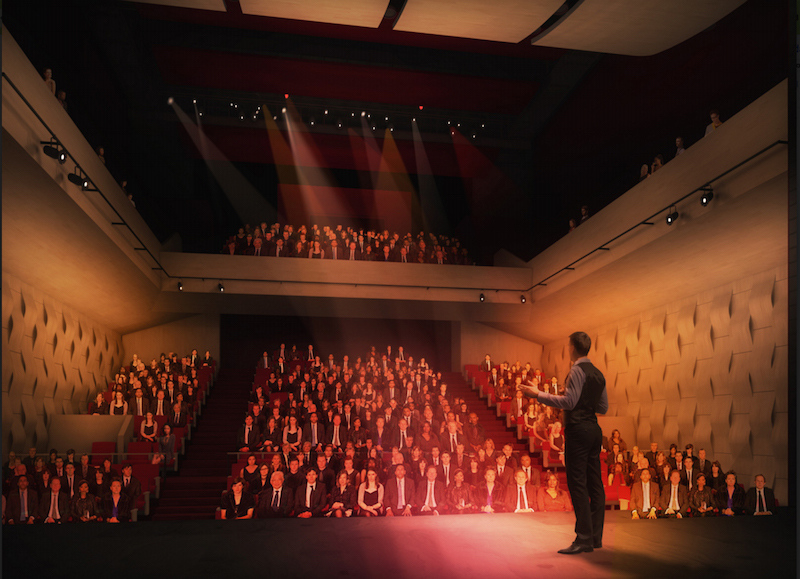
[{"x": 672, "y": 216}]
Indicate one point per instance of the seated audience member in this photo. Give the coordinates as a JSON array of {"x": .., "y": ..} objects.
[
  {"x": 115, "y": 505},
  {"x": 147, "y": 430},
  {"x": 178, "y": 417},
  {"x": 138, "y": 404},
  {"x": 314, "y": 432},
  {"x": 645, "y": 497},
  {"x": 99, "y": 406},
  {"x": 701, "y": 498},
  {"x": 250, "y": 471},
  {"x": 294, "y": 476},
  {"x": 459, "y": 495},
  {"x": 131, "y": 486},
  {"x": 521, "y": 495},
  {"x": 487, "y": 364},
  {"x": 336, "y": 433},
  {"x": 552, "y": 497},
  {"x": 22, "y": 504},
  {"x": 399, "y": 494},
  {"x": 310, "y": 497},
  {"x": 430, "y": 497},
  {"x": 679, "y": 148},
  {"x": 473, "y": 432},
  {"x": 343, "y": 497},
  {"x": 702, "y": 464},
  {"x": 644, "y": 173},
  {"x": 715, "y": 123},
  {"x": 98, "y": 485},
  {"x": 616, "y": 438},
  {"x": 760, "y": 500},
  {"x": 731, "y": 498},
  {"x": 54, "y": 505},
  {"x": 489, "y": 496},
  {"x": 275, "y": 500},
  {"x": 237, "y": 503},
  {"x": 262, "y": 481},
  {"x": 716, "y": 480},
  {"x": 325, "y": 474},
  {"x": 249, "y": 437},
  {"x": 674, "y": 497},
  {"x": 371, "y": 495},
  {"x": 689, "y": 474},
  {"x": 118, "y": 406},
  {"x": 84, "y": 506},
  {"x": 534, "y": 475},
  {"x": 658, "y": 162}
]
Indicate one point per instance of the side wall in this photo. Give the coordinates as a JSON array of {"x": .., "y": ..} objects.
[
  {"x": 182, "y": 336},
  {"x": 55, "y": 360},
  {"x": 477, "y": 340},
  {"x": 711, "y": 369}
]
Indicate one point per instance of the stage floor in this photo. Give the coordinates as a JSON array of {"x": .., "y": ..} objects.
[{"x": 503, "y": 545}]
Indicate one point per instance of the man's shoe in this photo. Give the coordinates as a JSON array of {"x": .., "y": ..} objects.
[{"x": 576, "y": 548}]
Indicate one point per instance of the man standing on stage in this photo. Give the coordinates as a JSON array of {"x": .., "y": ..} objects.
[{"x": 585, "y": 396}]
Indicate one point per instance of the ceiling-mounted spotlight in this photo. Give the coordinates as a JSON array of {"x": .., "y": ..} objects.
[
  {"x": 283, "y": 110},
  {"x": 523, "y": 299},
  {"x": 363, "y": 113},
  {"x": 194, "y": 101},
  {"x": 78, "y": 179},
  {"x": 311, "y": 121},
  {"x": 326, "y": 111},
  {"x": 54, "y": 150},
  {"x": 170, "y": 101},
  {"x": 706, "y": 197},
  {"x": 414, "y": 120},
  {"x": 373, "y": 127},
  {"x": 339, "y": 124},
  {"x": 201, "y": 113},
  {"x": 180, "y": 286},
  {"x": 672, "y": 216},
  {"x": 221, "y": 287},
  {"x": 474, "y": 135},
  {"x": 482, "y": 298}
]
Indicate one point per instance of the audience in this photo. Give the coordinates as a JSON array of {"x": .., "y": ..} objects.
[{"x": 345, "y": 244}]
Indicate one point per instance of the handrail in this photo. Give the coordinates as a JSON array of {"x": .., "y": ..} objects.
[
  {"x": 77, "y": 164},
  {"x": 646, "y": 221}
]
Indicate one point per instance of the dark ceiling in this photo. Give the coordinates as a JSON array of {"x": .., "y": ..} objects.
[{"x": 561, "y": 128}]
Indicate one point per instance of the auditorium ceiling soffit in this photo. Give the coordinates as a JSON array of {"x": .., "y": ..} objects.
[
  {"x": 499, "y": 21},
  {"x": 367, "y": 13},
  {"x": 633, "y": 27},
  {"x": 217, "y": 5}
]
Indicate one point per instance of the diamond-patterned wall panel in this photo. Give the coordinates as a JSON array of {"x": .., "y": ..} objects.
[
  {"x": 711, "y": 370},
  {"x": 53, "y": 361}
]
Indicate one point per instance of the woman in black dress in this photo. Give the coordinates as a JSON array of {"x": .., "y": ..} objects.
[
  {"x": 250, "y": 471},
  {"x": 147, "y": 431},
  {"x": 262, "y": 480},
  {"x": 99, "y": 406},
  {"x": 84, "y": 504},
  {"x": 98, "y": 487},
  {"x": 731, "y": 497},
  {"x": 272, "y": 436},
  {"x": 237, "y": 503},
  {"x": 118, "y": 406},
  {"x": 343, "y": 497},
  {"x": 370, "y": 495}
]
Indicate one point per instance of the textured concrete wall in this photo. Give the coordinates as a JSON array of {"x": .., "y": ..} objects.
[
  {"x": 711, "y": 369},
  {"x": 477, "y": 340},
  {"x": 55, "y": 360}
]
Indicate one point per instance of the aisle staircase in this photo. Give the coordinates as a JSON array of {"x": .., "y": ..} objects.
[{"x": 194, "y": 493}]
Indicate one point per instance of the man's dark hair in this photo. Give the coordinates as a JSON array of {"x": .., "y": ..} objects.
[{"x": 581, "y": 342}]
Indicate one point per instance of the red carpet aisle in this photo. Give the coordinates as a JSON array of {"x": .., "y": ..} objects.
[
  {"x": 194, "y": 493},
  {"x": 471, "y": 546}
]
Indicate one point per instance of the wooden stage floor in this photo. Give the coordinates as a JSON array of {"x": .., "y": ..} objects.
[{"x": 472, "y": 546}]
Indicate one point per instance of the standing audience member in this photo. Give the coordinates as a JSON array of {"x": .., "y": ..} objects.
[
  {"x": 715, "y": 121},
  {"x": 47, "y": 74}
]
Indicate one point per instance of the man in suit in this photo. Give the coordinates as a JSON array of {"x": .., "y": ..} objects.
[
  {"x": 353, "y": 253},
  {"x": 445, "y": 470},
  {"x": 314, "y": 432},
  {"x": 451, "y": 438},
  {"x": 69, "y": 484},
  {"x": 160, "y": 406},
  {"x": 689, "y": 474},
  {"x": 178, "y": 418},
  {"x": 401, "y": 434},
  {"x": 249, "y": 437},
  {"x": 54, "y": 505},
  {"x": 645, "y": 497},
  {"x": 138, "y": 405},
  {"x": 275, "y": 500},
  {"x": 521, "y": 495},
  {"x": 391, "y": 391},
  {"x": 652, "y": 453},
  {"x": 474, "y": 432},
  {"x": 760, "y": 499},
  {"x": 22, "y": 504},
  {"x": 534, "y": 475},
  {"x": 310, "y": 497},
  {"x": 130, "y": 485},
  {"x": 702, "y": 464},
  {"x": 486, "y": 365},
  {"x": 84, "y": 470},
  {"x": 399, "y": 494},
  {"x": 336, "y": 434},
  {"x": 263, "y": 362},
  {"x": 325, "y": 474},
  {"x": 505, "y": 473},
  {"x": 674, "y": 497},
  {"x": 430, "y": 498}
]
